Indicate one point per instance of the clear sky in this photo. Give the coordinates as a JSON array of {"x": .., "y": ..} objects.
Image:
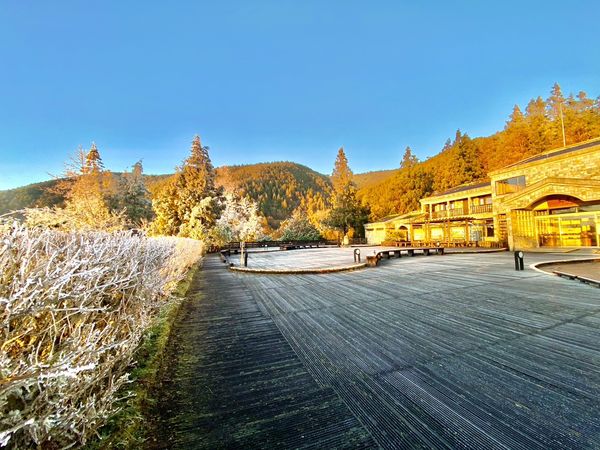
[{"x": 275, "y": 80}]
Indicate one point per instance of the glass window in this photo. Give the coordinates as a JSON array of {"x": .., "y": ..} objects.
[{"x": 510, "y": 185}]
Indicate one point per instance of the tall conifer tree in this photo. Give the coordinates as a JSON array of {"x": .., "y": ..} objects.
[
  {"x": 347, "y": 210},
  {"x": 190, "y": 204},
  {"x": 408, "y": 160}
]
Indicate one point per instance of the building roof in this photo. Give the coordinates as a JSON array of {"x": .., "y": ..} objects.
[
  {"x": 553, "y": 153},
  {"x": 393, "y": 217},
  {"x": 461, "y": 188},
  {"x": 388, "y": 218}
]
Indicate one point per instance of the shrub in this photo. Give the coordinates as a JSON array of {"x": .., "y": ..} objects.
[
  {"x": 299, "y": 228},
  {"x": 73, "y": 308}
]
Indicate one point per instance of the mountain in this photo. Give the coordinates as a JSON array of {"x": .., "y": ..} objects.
[
  {"x": 368, "y": 179},
  {"x": 278, "y": 187},
  {"x": 41, "y": 194},
  {"x": 36, "y": 194}
]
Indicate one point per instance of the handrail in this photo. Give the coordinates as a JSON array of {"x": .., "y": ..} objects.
[
  {"x": 476, "y": 209},
  {"x": 457, "y": 212}
]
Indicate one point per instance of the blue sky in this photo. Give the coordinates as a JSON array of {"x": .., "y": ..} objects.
[{"x": 275, "y": 80}]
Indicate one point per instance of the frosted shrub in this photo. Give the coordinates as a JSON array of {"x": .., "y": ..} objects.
[{"x": 73, "y": 308}]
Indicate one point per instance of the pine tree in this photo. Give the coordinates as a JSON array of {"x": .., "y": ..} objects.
[
  {"x": 196, "y": 179},
  {"x": 347, "y": 211},
  {"x": 447, "y": 145},
  {"x": 469, "y": 167},
  {"x": 88, "y": 192},
  {"x": 555, "y": 102},
  {"x": 408, "y": 160},
  {"x": 93, "y": 161},
  {"x": 132, "y": 197},
  {"x": 581, "y": 118},
  {"x": 190, "y": 204},
  {"x": 341, "y": 178},
  {"x": 537, "y": 124},
  {"x": 556, "y": 106},
  {"x": 515, "y": 139}
]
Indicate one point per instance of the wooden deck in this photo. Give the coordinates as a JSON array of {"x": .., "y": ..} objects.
[
  {"x": 233, "y": 381},
  {"x": 453, "y": 352}
]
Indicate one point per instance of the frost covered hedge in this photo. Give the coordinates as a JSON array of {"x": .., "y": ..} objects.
[{"x": 73, "y": 308}]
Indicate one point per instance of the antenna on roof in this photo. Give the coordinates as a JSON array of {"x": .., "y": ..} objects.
[{"x": 562, "y": 124}]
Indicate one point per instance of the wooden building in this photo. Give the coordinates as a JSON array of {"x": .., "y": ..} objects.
[{"x": 548, "y": 200}]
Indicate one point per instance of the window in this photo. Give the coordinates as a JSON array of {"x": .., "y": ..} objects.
[{"x": 510, "y": 185}]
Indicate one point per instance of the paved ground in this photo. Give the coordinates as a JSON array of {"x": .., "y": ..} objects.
[
  {"x": 317, "y": 258},
  {"x": 455, "y": 351}
]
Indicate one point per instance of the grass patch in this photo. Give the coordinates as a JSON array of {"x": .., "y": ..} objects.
[{"x": 125, "y": 429}]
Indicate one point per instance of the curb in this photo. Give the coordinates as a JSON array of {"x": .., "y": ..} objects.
[
  {"x": 298, "y": 271},
  {"x": 467, "y": 252},
  {"x": 537, "y": 267}
]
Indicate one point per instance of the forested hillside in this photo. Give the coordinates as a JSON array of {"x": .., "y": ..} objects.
[
  {"x": 44, "y": 193},
  {"x": 36, "y": 194},
  {"x": 463, "y": 160},
  {"x": 280, "y": 187},
  {"x": 368, "y": 179}
]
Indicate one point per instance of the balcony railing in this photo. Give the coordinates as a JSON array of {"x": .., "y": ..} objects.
[
  {"x": 477, "y": 209},
  {"x": 457, "y": 212}
]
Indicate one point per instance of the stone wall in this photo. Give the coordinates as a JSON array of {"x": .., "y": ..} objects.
[
  {"x": 582, "y": 164},
  {"x": 585, "y": 190}
]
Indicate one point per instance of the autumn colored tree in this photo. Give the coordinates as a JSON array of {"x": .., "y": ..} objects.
[
  {"x": 408, "y": 160},
  {"x": 400, "y": 193},
  {"x": 87, "y": 188},
  {"x": 190, "y": 203},
  {"x": 581, "y": 117},
  {"x": 347, "y": 212},
  {"x": 93, "y": 162},
  {"x": 556, "y": 127},
  {"x": 462, "y": 163},
  {"x": 537, "y": 124}
]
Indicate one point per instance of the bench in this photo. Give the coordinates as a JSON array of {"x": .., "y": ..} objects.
[
  {"x": 298, "y": 245},
  {"x": 373, "y": 260}
]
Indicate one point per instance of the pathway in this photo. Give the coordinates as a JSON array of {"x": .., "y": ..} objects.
[
  {"x": 457, "y": 351},
  {"x": 233, "y": 381}
]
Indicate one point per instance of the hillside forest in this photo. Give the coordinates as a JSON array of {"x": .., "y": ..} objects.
[{"x": 287, "y": 199}]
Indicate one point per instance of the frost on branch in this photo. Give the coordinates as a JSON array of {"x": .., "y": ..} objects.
[
  {"x": 240, "y": 221},
  {"x": 73, "y": 308}
]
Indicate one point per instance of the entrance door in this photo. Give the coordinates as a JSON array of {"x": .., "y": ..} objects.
[{"x": 572, "y": 230}]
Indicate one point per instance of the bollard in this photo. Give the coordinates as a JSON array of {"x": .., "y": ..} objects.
[
  {"x": 356, "y": 255},
  {"x": 519, "y": 265},
  {"x": 245, "y": 259}
]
